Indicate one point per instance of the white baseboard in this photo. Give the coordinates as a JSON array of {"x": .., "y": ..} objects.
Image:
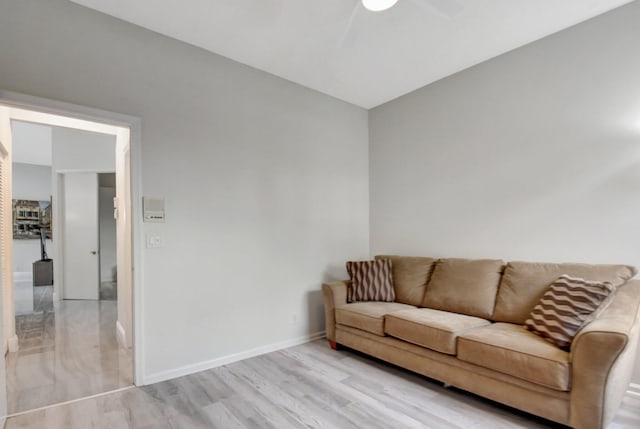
[
  {"x": 22, "y": 276},
  {"x": 225, "y": 360},
  {"x": 121, "y": 335},
  {"x": 634, "y": 390}
]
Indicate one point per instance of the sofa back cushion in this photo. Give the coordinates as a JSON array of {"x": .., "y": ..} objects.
[
  {"x": 465, "y": 286},
  {"x": 524, "y": 283},
  {"x": 410, "y": 277}
]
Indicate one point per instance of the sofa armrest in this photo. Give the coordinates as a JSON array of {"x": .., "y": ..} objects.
[
  {"x": 334, "y": 294},
  {"x": 603, "y": 357}
]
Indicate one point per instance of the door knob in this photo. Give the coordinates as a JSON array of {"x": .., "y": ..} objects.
[{"x": 93, "y": 252}]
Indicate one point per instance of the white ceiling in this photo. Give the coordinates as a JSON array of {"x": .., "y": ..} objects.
[
  {"x": 340, "y": 49},
  {"x": 31, "y": 143}
]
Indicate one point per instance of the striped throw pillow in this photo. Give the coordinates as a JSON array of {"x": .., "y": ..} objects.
[
  {"x": 370, "y": 281},
  {"x": 568, "y": 305}
]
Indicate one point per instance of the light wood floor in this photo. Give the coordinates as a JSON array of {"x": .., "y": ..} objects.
[
  {"x": 68, "y": 350},
  {"x": 301, "y": 387}
]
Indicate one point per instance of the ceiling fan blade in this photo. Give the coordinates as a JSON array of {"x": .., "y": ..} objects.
[{"x": 447, "y": 8}]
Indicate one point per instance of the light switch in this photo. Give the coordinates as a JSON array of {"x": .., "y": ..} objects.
[{"x": 154, "y": 241}]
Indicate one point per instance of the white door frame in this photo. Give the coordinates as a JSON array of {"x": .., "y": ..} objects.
[
  {"x": 4, "y": 158},
  {"x": 9, "y": 339},
  {"x": 27, "y": 102}
]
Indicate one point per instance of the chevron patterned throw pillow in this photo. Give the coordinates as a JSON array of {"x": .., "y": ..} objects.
[
  {"x": 370, "y": 281},
  {"x": 568, "y": 305}
]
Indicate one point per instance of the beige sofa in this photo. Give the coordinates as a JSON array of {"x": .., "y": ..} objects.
[{"x": 461, "y": 321}]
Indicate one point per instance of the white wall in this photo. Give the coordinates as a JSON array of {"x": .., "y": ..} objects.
[
  {"x": 107, "y": 234},
  {"x": 266, "y": 182},
  {"x": 29, "y": 182},
  {"x": 76, "y": 150},
  {"x": 534, "y": 155},
  {"x": 32, "y": 143}
]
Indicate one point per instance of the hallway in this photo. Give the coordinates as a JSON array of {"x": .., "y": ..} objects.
[{"x": 68, "y": 350}]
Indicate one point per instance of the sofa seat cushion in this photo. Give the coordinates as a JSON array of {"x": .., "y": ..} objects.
[
  {"x": 433, "y": 329},
  {"x": 368, "y": 316},
  {"x": 513, "y": 350}
]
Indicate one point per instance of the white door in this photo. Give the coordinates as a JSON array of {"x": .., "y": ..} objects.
[{"x": 80, "y": 236}]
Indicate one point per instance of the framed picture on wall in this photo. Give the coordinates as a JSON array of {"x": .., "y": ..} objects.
[{"x": 30, "y": 218}]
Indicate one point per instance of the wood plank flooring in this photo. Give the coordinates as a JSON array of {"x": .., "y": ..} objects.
[{"x": 308, "y": 386}]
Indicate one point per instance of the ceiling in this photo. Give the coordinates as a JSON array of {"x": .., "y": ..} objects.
[{"x": 339, "y": 48}]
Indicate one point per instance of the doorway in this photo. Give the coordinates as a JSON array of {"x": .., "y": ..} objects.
[{"x": 74, "y": 344}]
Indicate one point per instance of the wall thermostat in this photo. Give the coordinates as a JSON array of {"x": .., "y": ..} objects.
[{"x": 153, "y": 209}]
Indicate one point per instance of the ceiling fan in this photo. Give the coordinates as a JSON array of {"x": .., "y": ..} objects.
[
  {"x": 378, "y": 5},
  {"x": 448, "y": 9}
]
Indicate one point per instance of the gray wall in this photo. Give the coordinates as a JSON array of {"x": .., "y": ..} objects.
[
  {"x": 533, "y": 155},
  {"x": 266, "y": 182}
]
